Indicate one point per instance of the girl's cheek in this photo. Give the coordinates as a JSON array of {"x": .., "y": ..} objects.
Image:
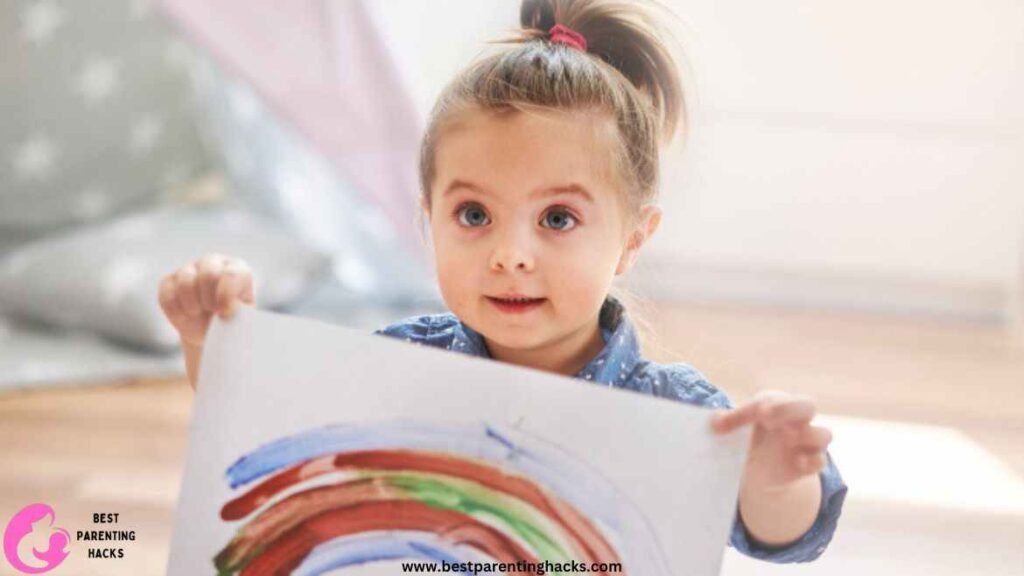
[{"x": 579, "y": 245}]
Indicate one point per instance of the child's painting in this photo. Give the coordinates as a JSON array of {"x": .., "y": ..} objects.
[{"x": 322, "y": 450}]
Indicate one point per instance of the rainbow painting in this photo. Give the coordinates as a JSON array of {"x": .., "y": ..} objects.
[{"x": 344, "y": 496}]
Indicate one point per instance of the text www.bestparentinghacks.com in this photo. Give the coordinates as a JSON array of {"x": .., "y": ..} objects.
[{"x": 539, "y": 568}]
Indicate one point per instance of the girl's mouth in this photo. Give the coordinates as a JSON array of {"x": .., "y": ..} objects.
[{"x": 516, "y": 305}]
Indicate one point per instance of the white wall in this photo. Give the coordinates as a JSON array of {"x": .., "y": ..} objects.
[{"x": 834, "y": 143}]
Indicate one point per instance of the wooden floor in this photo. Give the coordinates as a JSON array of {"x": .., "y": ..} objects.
[{"x": 949, "y": 395}]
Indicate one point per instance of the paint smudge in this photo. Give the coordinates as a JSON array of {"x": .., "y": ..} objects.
[{"x": 342, "y": 496}]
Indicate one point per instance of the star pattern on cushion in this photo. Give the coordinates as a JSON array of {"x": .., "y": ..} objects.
[{"x": 100, "y": 116}]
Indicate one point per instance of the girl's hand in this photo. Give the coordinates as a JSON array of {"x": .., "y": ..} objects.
[
  {"x": 784, "y": 447},
  {"x": 214, "y": 284}
]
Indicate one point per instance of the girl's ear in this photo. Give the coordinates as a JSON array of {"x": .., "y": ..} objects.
[
  {"x": 649, "y": 219},
  {"x": 423, "y": 220}
]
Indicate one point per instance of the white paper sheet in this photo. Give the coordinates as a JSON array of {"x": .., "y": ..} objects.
[{"x": 413, "y": 452}]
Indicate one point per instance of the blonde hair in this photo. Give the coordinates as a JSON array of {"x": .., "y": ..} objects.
[{"x": 627, "y": 72}]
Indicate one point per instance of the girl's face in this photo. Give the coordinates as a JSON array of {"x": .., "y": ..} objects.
[{"x": 529, "y": 204}]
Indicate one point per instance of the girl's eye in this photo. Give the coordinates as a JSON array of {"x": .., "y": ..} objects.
[
  {"x": 471, "y": 215},
  {"x": 559, "y": 219}
]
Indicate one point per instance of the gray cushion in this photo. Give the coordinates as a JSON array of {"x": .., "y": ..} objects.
[
  {"x": 97, "y": 118},
  {"x": 105, "y": 277},
  {"x": 33, "y": 355}
]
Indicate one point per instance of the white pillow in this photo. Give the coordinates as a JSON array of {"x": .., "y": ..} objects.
[{"x": 105, "y": 277}]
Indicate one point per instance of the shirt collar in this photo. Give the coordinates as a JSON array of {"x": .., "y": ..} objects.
[{"x": 613, "y": 365}]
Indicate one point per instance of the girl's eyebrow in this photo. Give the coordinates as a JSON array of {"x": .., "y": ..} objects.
[
  {"x": 574, "y": 189},
  {"x": 464, "y": 184}
]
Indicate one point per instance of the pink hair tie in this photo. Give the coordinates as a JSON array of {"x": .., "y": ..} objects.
[{"x": 565, "y": 35}]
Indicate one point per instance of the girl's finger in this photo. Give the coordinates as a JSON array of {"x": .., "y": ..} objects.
[
  {"x": 229, "y": 289},
  {"x": 237, "y": 267},
  {"x": 814, "y": 437},
  {"x": 793, "y": 410},
  {"x": 730, "y": 420},
  {"x": 810, "y": 462},
  {"x": 209, "y": 268},
  {"x": 249, "y": 293},
  {"x": 185, "y": 291},
  {"x": 168, "y": 302},
  {"x": 755, "y": 410},
  {"x": 240, "y": 268}
]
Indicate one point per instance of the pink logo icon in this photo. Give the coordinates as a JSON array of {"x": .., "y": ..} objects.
[{"x": 20, "y": 526}]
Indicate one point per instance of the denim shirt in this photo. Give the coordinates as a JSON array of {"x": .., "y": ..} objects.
[{"x": 620, "y": 365}]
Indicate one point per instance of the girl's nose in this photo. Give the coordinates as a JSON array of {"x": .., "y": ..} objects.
[{"x": 513, "y": 253}]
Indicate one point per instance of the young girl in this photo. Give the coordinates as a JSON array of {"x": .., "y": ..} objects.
[{"x": 539, "y": 174}]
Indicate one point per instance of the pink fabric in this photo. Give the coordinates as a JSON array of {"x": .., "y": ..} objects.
[
  {"x": 322, "y": 66},
  {"x": 563, "y": 34}
]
